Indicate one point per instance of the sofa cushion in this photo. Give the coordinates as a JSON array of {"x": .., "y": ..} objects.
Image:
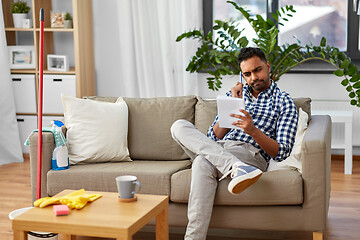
[
  {"x": 281, "y": 187},
  {"x": 293, "y": 162},
  {"x": 206, "y": 110},
  {"x": 96, "y": 131},
  {"x": 305, "y": 104},
  {"x": 154, "y": 176},
  {"x": 150, "y": 120}
]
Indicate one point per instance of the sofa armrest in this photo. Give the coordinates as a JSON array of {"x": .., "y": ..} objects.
[
  {"x": 316, "y": 165},
  {"x": 48, "y": 145}
]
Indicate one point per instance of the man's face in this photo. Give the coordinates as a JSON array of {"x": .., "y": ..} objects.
[{"x": 256, "y": 74}]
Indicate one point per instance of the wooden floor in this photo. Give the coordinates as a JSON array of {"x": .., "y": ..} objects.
[{"x": 343, "y": 219}]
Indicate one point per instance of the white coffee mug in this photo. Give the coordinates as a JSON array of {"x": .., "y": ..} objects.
[{"x": 126, "y": 186}]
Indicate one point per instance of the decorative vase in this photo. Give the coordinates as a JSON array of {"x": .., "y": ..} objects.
[
  {"x": 18, "y": 19},
  {"x": 68, "y": 24}
]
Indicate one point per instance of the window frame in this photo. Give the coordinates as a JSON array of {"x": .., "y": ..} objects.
[{"x": 315, "y": 66}]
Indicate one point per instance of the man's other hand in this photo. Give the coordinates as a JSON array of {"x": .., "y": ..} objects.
[
  {"x": 236, "y": 91},
  {"x": 245, "y": 122}
]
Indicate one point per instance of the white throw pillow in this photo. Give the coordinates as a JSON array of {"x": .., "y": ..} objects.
[
  {"x": 96, "y": 131},
  {"x": 294, "y": 160}
]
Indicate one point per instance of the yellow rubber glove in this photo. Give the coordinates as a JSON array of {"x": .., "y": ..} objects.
[
  {"x": 39, "y": 201},
  {"x": 76, "y": 193},
  {"x": 93, "y": 197},
  {"x": 43, "y": 202},
  {"x": 77, "y": 199}
]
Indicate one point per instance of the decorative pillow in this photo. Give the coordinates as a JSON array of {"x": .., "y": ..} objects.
[
  {"x": 96, "y": 131},
  {"x": 305, "y": 104},
  {"x": 205, "y": 113},
  {"x": 294, "y": 160}
]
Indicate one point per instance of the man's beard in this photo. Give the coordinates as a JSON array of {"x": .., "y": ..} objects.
[{"x": 260, "y": 85}]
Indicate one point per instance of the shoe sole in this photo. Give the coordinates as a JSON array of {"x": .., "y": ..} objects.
[{"x": 244, "y": 182}]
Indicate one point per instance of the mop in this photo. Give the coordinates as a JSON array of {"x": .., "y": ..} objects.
[{"x": 40, "y": 104}]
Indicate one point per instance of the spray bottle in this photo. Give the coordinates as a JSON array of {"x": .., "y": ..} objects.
[{"x": 60, "y": 157}]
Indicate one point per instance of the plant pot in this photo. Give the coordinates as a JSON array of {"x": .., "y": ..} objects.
[
  {"x": 33, "y": 235},
  {"x": 18, "y": 19},
  {"x": 68, "y": 24}
]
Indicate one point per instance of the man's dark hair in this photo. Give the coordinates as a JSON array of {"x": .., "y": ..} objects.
[{"x": 249, "y": 52}]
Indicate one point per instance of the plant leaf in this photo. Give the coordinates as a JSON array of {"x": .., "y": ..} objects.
[
  {"x": 356, "y": 85},
  {"x": 323, "y": 42},
  {"x": 344, "y": 64},
  {"x": 355, "y": 78},
  {"x": 339, "y": 73},
  {"x": 344, "y": 82}
]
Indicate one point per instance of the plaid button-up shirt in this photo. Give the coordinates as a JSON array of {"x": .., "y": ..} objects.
[{"x": 274, "y": 113}]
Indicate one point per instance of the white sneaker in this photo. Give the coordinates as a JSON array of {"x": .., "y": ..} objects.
[{"x": 242, "y": 176}]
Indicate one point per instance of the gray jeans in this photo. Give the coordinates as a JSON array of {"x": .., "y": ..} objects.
[{"x": 210, "y": 160}]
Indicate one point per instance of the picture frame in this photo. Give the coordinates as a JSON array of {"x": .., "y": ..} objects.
[
  {"x": 57, "y": 63},
  {"x": 22, "y": 57},
  {"x": 57, "y": 19}
]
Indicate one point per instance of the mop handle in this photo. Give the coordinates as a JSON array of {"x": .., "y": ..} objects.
[{"x": 40, "y": 104}]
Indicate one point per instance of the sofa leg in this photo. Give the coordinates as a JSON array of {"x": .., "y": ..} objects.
[{"x": 318, "y": 236}]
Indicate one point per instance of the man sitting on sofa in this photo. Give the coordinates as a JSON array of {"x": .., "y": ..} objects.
[{"x": 268, "y": 128}]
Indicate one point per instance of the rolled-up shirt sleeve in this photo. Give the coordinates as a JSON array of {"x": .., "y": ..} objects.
[
  {"x": 210, "y": 132},
  {"x": 286, "y": 128}
]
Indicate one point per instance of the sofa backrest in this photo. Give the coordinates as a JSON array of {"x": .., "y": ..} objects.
[{"x": 150, "y": 119}]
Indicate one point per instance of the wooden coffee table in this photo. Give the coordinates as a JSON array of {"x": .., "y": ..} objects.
[{"x": 105, "y": 217}]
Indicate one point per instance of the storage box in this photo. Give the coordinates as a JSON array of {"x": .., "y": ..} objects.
[
  {"x": 26, "y": 125},
  {"x": 54, "y": 85},
  {"x": 24, "y": 92}
]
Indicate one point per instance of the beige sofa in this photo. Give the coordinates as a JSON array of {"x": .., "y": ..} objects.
[{"x": 281, "y": 200}]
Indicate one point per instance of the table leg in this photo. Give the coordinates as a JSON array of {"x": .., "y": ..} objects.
[
  {"x": 348, "y": 148},
  {"x": 125, "y": 238},
  {"x": 162, "y": 225},
  {"x": 20, "y": 235},
  {"x": 68, "y": 237}
]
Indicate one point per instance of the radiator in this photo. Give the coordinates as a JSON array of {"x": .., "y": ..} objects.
[{"x": 338, "y": 128}]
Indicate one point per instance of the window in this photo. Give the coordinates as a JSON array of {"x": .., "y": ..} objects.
[
  {"x": 337, "y": 20},
  {"x": 224, "y": 11}
]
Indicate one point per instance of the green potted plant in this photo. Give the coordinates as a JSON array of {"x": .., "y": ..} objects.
[
  {"x": 19, "y": 11},
  {"x": 218, "y": 56},
  {"x": 68, "y": 20}
]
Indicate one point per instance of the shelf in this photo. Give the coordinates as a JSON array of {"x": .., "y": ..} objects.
[
  {"x": 80, "y": 40},
  {"x": 44, "y": 114},
  {"x": 71, "y": 71},
  {"x": 25, "y": 114},
  {"x": 56, "y": 29},
  {"x": 23, "y": 71},
  {"x": 12, "y": 29},
  {"x": 33, "y": 71},
  {"x": 53, "y": 114}
]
